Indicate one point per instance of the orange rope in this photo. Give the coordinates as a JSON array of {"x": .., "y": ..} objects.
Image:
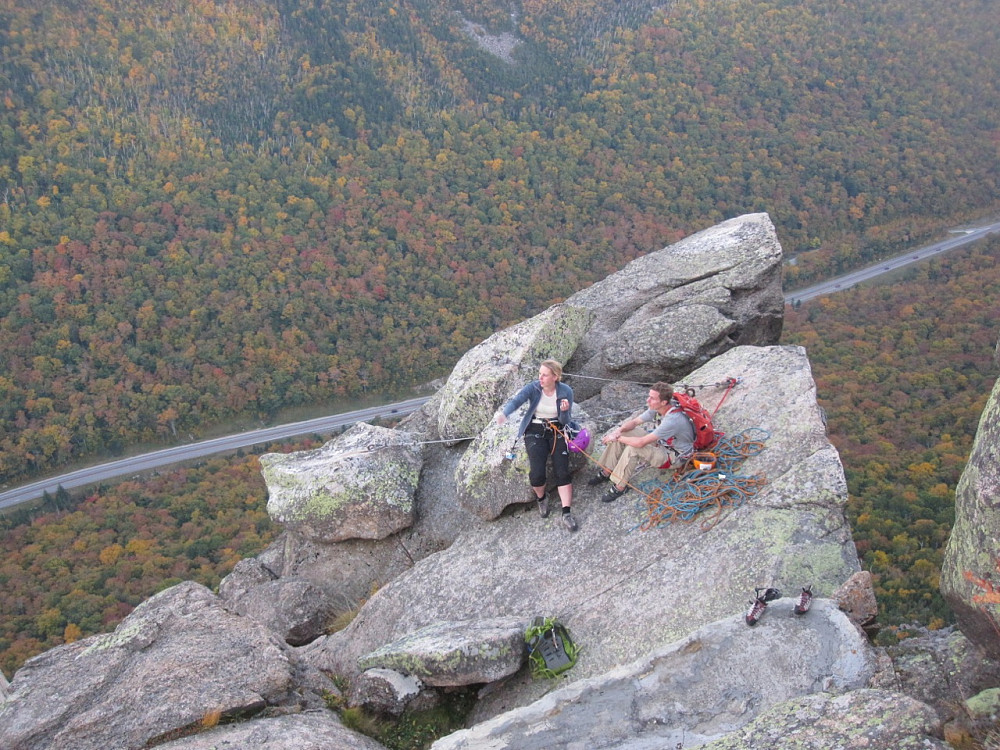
[
  {"x": 732, "y": 384},
  {"x": 691, "y": 494}
]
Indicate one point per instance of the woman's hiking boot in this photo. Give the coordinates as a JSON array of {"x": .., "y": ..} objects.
[{"x": 543, "y": 505}]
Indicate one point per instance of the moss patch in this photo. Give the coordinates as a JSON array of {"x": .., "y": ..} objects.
[{"x": 414, "y": 730}]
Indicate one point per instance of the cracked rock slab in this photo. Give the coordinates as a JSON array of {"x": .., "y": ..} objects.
[{"x": 455, "y": 653}]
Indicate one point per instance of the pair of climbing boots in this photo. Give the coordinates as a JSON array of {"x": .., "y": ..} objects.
[{"x": 758, "y": 605}]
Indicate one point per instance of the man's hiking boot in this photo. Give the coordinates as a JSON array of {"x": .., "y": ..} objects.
[
  {"x": 805, "y": 601},
  {"x": 569, "y": 522},
  {"x": 543, "y": 505},
  {"x": 596, "y": 480},
  {"x": 612, "y": 494}
]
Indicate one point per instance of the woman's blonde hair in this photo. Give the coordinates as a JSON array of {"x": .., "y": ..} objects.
[{"x": 554, "y": 366}]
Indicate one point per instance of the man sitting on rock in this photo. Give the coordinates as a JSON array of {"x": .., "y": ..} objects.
[{"x": 629, "y": 448}]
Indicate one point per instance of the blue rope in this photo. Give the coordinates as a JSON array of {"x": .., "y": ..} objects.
[{"x": 688, "y": 495}]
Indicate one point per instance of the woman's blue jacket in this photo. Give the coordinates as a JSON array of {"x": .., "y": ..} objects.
[{"x": 532, "y": 394}]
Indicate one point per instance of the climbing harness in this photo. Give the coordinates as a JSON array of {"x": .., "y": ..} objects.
[{"x": 554, "y": 426}]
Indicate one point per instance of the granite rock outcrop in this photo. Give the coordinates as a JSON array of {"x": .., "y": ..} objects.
[{"x": 424, "y": 533}]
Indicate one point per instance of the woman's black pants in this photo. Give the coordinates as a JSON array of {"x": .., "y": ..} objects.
[{"x": 539, "y": 443}]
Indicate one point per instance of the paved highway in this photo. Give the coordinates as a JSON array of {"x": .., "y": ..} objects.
[
  {"x": 320, "y": 425},
  {"x": 179, "y": 453},
  {"x": 964, "y": 237}
]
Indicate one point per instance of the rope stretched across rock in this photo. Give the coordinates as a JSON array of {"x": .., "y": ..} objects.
[{"x": 687, "y": 495}]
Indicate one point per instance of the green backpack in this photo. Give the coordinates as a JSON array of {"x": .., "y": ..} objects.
[{"x": 550, "y": 649}]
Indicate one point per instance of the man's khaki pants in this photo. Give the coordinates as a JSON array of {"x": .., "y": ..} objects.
[{"x": 624, "y": 461}]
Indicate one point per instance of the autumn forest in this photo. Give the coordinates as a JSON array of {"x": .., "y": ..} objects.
[{"x": 218, "y": 211}]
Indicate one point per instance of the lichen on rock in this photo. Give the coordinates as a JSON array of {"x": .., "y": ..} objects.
[
  {"x": 488, "y": 374},
  {"x": 359, "y": 486},
  {"x": 972, "y": 559},
  {"x": 452, "y": 654}
]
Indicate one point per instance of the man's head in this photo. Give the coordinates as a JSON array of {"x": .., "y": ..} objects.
[{"x": 659, "y": 397}]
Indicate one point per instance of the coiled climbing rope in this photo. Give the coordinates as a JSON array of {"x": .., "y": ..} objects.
[{"x": 688, "y": 494}]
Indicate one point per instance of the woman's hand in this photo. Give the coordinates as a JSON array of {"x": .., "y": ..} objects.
[
  {"x": 500, "y": 418},
  {"x": 564, "y": 404}
]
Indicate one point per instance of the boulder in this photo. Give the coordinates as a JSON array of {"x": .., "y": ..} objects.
[
  {"x": 351, "y": 570},
  {"x": 178, "y": 658},
  {"x": 452, "y": 654},
  {"x": 385, "y": 691},
  {"x": 623, "y": 591},
  {"x": 670, "y": 311},
  {"x": 979, "y": 717},
  {"x": 704, "y": 686},
  {"x": 358, "y": 486},
  {"x": 862, "y": 719},
  {"x": 985, "y": 705},
  {"x": 969, "y": 572},
  {"x": 935, "y": 666},
  {"x": 312, "y": 730},
  {"x": 981, "y": 713},
  {"x": 246, "y": 575},
  {"x": 856, "y": 597},
  {"x": 294, "y": 608},
  {"x": 488, "y": 374}
]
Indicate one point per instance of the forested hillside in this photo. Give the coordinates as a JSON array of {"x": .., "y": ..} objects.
[
  {"x": 81, "y": 570},
  {"x": 218, "y": 211},
  {"x": 904, "y": 371},
  {"x": 214, "y": 210}
]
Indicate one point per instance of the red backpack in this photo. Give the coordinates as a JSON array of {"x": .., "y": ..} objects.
[{"x": 705, "y": 435}]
